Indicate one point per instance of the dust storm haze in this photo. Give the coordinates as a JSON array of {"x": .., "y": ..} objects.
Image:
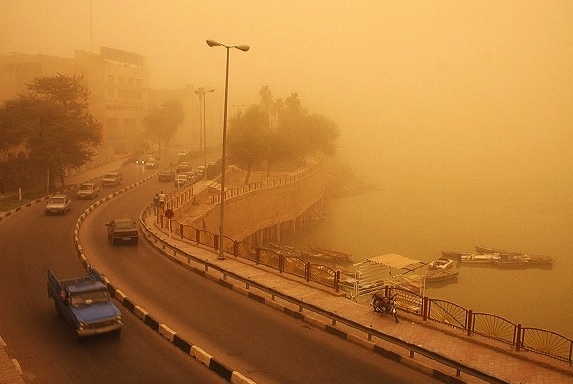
[{"x": 456, "y": 94}]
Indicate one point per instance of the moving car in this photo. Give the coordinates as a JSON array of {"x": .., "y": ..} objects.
[
  {"x": 87, "y": 191},
  {"x": 112, "y": 179},
  {"x": 85, "y": 303},
  {"x": 151, "y": 162},
  {"x": 122, "y": 230},
  {"x": 58, "y": 204}
]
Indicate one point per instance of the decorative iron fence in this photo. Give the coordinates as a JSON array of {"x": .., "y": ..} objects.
[
  {"x": 493, "y": 327},
  {"x": 539, "y": 341}
]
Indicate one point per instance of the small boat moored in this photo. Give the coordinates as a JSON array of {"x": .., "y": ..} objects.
[{"x": 437, "y": 275}]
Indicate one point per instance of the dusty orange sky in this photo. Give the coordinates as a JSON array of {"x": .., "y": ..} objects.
[{"x": 442, "y": 91}]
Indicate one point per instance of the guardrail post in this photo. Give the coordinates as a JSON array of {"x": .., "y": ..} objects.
[
  {"x": 337, "y": 281},
  {"x": 469, "y": 322},
  {"x": 517, "y": 338}
]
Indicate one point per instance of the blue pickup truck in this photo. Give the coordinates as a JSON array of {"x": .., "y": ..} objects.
[{"x": 85, "y": 303}]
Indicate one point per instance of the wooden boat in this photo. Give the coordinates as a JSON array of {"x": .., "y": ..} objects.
[
  {"x": 437, "y": 275},
  {"x": 479, "y": 258},
  {"x": 496, "y": 250},
  {"x": 510, "y": 262},
  {"x": 441, "y": 264},
  {"x": 537, "y": 260},
  {"x": 533, "y": 260},
  {"x": 340, "y": 256}
]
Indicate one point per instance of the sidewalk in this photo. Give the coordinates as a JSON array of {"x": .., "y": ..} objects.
[{"x": 488, "y": 356}]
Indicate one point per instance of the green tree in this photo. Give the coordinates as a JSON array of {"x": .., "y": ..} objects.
[
  {"x": 53, "y": 122},
  {"x": 277, "y": 130},
  {"x": 162, "y": 124}
]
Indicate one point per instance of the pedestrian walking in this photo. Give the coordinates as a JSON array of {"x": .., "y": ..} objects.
[
  {"x": 156, "y": 203},
  {"x": 162, "y": 198}
]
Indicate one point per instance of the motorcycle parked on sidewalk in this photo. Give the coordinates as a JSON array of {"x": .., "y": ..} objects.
[{"x": 384, "y": 304}]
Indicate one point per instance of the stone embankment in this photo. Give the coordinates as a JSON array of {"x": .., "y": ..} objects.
[{"x": 265, "y": 202}]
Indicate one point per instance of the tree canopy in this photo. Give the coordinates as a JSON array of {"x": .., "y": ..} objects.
[
  {"x": 277, "y": 130},
  {"x": 162, "y": 124},
  {"x": 53, "y": 123}
]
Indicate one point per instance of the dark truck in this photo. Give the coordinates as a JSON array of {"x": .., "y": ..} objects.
[{"x": 85, "y": 303}]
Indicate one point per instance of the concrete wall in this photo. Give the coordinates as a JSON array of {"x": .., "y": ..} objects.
[{"x": 256, "y": 210}]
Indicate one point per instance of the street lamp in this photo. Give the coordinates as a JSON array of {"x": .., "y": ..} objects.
[
  {"x": 244, "y": 48},
  {"x": 202, "y": 93}
]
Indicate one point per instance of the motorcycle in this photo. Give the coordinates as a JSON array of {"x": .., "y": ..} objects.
[{"x": 384, "y": 304}]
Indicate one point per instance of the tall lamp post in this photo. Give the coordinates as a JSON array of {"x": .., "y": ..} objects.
[
  {"x": 244, "y": 48},
  {"x": 202, "y": 93}
]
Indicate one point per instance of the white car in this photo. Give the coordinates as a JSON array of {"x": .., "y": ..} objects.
[
  {"x": 58, "y": 204},
  {"x": 87, "y": 191}
]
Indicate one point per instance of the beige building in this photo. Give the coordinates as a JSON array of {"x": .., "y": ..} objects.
[{"x": 118, "y": 82}]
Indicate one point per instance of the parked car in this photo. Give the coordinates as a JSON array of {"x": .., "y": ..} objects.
[
  {"x": 180, "y": 181},
  {"x": 166, "y": 175},
  {"x": 112, "y": 179},
  {"x": 58, "y": 204},
  {"x": 122, "y": 230},
  {"x": 87, "y": 191}
]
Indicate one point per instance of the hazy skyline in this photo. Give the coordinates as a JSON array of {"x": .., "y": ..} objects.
[{"x": 442, "y": 90}]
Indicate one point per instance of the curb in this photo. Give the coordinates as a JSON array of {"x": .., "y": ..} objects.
[
  {"x": 312, "y": 321},
  {"x": 221, "y": 369}
]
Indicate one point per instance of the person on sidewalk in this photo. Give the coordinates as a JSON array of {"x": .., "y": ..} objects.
[
  {"x": 156, "y": 203},
  {"x": 162, "y": 198}
]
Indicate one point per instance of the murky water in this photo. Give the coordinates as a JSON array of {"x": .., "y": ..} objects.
[{"x": 420, "y": 223}]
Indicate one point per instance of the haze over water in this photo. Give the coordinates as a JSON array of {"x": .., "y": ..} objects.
[{"x": 420, "y": 222}]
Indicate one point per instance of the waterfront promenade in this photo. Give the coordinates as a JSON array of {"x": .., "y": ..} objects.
[{"x": 487, "y": 356}]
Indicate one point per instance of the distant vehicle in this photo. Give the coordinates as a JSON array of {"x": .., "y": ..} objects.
[
  {"x": 87, "y": 191},
  {"x": 122, "y": 230},
  {"x": 58, "y": 204},
  {"x": 151, "y": 162},
  {"x": 145, "y": 159},
  {"x": 183, "y": 167},
  {"x": 166, "y": 175},
  {"x": 112, "y": 179},
  {"x": 180, "y": 181},
  {"x": 85, "y": 303}
]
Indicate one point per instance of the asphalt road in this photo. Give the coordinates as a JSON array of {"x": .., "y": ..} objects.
[
  {"x": 261, "y": 343},
  {"x": 41, "y": 341}
]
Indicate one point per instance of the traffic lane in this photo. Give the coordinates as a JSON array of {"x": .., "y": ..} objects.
[
  {"x": 41, "y": 340},
  {"x": 249, "y": 337}
]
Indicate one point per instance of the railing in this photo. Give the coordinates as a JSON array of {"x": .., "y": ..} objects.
[
  {"x": 310, "y": 272},
  {"x": 539, "y": 341},
  {"x": 252, "y": 253},
  {"x": 493, "y": 327}
]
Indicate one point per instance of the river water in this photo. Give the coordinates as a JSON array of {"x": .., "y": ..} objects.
[{"x": 421, "y": 221}]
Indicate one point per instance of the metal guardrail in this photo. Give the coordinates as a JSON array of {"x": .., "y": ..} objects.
[{"x": 370, "y": 333}]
